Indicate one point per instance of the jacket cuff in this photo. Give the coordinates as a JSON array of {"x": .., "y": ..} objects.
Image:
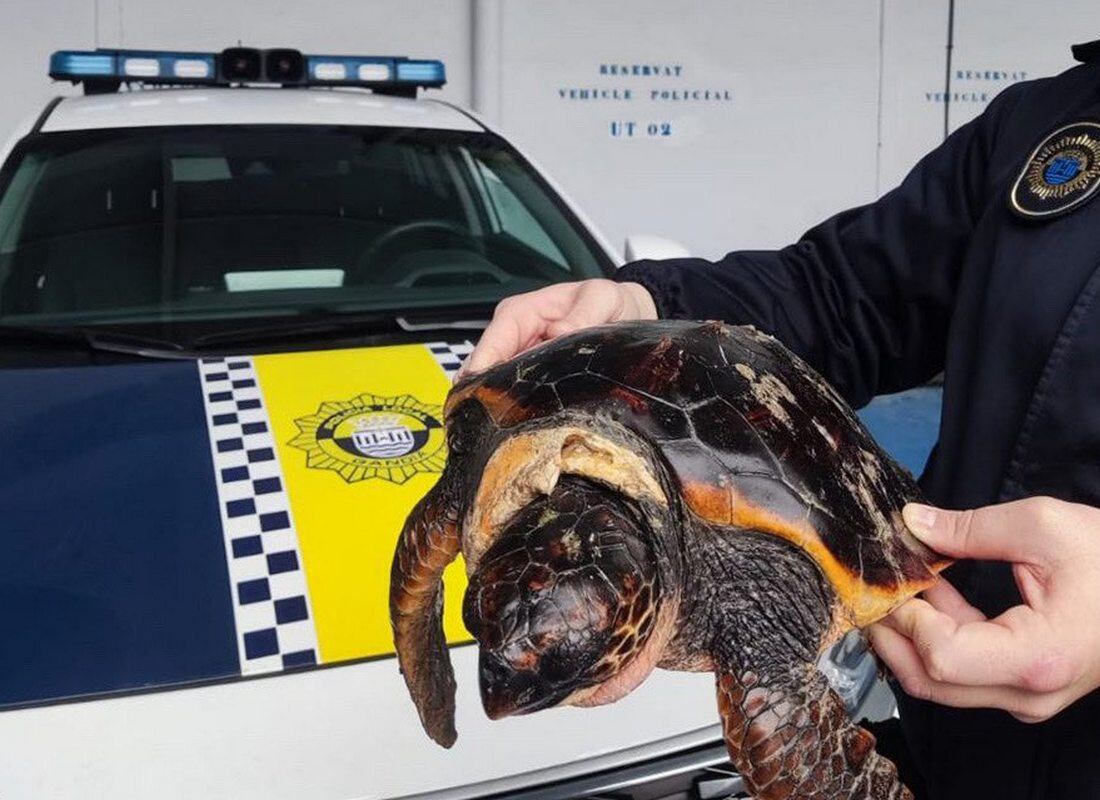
[{"x": 662, "y": 281}]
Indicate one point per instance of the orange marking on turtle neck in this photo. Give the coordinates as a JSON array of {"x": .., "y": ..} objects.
[{"x": 863, "y": 602}]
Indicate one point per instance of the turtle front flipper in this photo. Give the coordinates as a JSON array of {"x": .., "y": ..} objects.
[
  {"x": 429, "y": 542},
  {"x": 791, "y": 738}
]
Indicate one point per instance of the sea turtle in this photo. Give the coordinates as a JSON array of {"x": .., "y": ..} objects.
[{"x": 676, "y": 494}]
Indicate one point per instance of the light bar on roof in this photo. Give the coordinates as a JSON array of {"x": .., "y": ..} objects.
[
  {"x": 193, "y": 68},
  {"x": 375, "y": 71},
  {"x": 105, "y": 70},
  {"x": 141, "y": 67},
  {"x": 329, "y": 71},
  {"x": 420, "y": 71},
  {"x": 82, "y": 64}
]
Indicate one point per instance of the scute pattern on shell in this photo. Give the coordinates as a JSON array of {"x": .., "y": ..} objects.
[{"x": 752, "y": 434}]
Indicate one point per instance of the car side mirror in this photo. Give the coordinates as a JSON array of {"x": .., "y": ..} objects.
[{"x": 645, "y": 246}]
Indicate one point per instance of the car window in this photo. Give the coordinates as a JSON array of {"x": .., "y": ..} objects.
[
  {"x": 512, "y": 216},
  {"x": 220, "y": 223}
]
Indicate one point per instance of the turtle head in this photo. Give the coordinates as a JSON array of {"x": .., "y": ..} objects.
[{"x": 564, "y": 601}]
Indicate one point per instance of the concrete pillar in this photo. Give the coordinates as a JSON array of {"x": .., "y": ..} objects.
[{"x": 485, "y": 58}]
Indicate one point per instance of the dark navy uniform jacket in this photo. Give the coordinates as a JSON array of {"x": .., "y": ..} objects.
[{"x": 941, "y": 275}]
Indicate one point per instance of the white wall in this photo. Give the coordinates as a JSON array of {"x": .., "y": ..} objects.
[
  {"x": 30, "y": 31},
  {"x": 914, "y": 42},
  {"x": 996, "y": 43},
  {"x": 830, "y": 101},
  {"x": 794, "y": 140}
]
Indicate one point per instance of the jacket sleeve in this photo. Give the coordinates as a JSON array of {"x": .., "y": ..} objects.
[{"x": 866, "y": 297}]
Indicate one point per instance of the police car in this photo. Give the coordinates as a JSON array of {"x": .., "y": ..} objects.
[{"x": 234, "y": 289}]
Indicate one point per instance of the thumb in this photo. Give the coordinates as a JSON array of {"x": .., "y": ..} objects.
[
  {"x": 992, "y": 533},
  {"x": 495, "y": 346}
]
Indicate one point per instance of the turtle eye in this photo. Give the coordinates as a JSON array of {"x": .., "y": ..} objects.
[{"x": 456, "y": 441}]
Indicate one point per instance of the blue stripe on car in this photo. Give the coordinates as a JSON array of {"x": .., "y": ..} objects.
[{"x": 112, "y": 560}]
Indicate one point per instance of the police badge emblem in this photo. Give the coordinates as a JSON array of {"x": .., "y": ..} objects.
[
  {"x": 393, "y": 438},
  {"x": 1060, "y": 174}
]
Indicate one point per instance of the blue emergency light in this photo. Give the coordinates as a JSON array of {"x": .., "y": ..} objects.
[{"x": 105, "y": 70}]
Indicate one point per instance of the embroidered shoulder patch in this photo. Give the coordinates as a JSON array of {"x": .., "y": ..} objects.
[{"x": 1060, "y": 174}]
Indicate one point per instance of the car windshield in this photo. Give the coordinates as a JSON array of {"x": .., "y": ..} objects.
[{"x": 156, "y": 225}]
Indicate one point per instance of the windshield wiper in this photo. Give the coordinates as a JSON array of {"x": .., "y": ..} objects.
[
  {"x": 321, "y": 322},
  {"x": 429, "y": 324},
  {"x": 87, "y": 338},
  {"x": 299, "y": 327}
]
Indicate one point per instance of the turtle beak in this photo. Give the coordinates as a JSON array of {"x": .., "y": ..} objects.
[{"x": 506, "y": 691}]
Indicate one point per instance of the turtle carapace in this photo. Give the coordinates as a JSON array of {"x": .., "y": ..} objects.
[{"x": 663, "y": 494}]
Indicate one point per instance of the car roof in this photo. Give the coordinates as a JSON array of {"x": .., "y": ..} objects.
[{"x": 252, "y": 106}]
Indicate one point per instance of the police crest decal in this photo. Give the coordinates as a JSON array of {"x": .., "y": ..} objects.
[
  {"x": 369, "y": 436},
  {"x": 1060, "y": 174}
]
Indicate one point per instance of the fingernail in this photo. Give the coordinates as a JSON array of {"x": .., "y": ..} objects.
[{"x": 920, "y": 519}]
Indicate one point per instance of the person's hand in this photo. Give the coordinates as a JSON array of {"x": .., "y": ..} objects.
[
  {"x": 524, "y": 320},
  {"x": 1034, "y": 659}
]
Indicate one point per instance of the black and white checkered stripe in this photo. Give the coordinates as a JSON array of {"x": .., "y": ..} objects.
[
  {"x": 450, "y": 356},
  {"x": 271, "y": 606}
]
